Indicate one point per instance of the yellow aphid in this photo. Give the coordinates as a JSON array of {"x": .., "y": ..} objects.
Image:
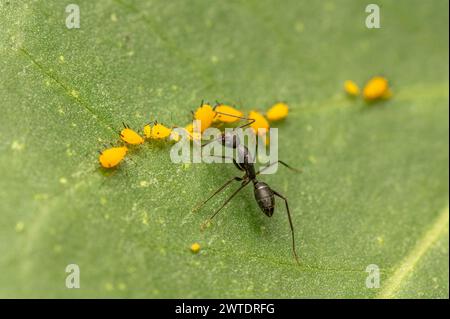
[
  {"x": 195, "y": 248},
  {"x": 232, "y": 115},
  {"x": 259, "y": 123},
  {"x": 160, "y": 131},
  {"x": 265, "y": 138},
  {"x": 147, "y": 131},
  {"x": 205, "y": 114},
  {"x": 112, "y": 156},
  {"x": 192, "y": 135},
  {"x": 129, "y": 136},
  {"x": 189, "y": 128},
  {"x": 351, "y": 88},
  {"x": 174, "y": 136},
  {"x": 376, "y": 88},
  {"x": 278, "y": 111}
]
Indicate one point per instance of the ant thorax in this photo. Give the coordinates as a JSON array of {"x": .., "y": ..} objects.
[
  {"x": 234, "y": 140},
  {"x": 243, "y": 155}
]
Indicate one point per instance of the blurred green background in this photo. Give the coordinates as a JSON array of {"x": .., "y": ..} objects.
[{"x": 374, "y": 188}]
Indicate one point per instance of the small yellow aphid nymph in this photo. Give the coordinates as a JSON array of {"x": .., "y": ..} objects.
[
  {"x": 147, "y": 131},
  {"x": 112, "y": 156},
  {"x": 158, "y": 131},
  {"x": 376, "y": 88},
  {"x": 205, "y": 114},
  {"x": 195, "y": 248},
  {"x": 193, "y": 134},
  {"x": 174, "y": 136},
  {"x": 351, "y": 88},
  {"x": 227, "y": 114},
  {"x": 277, "y": 112},
  {"x": 260, "y": 125},
  {"x": 129, "y": 136}
]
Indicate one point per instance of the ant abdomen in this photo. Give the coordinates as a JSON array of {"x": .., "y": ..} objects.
[{"x": 265, "y": 198}]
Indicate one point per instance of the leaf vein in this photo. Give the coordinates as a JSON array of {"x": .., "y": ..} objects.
[
  {"x": 409, "y": 263},
  {"x": 67, "y": 89}
]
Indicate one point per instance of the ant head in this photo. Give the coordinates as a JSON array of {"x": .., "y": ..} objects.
[{"x": 229, "y": 139}]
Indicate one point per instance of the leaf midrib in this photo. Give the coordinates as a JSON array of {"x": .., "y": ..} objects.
[{"x": 408, "y": 264}]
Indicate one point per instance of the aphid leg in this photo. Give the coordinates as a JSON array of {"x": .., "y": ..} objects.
[
  {"x": 245, "y": 183},
  {"x": 290, "y": 223},
  {"x": 200, "y": 205},
  {"x": 281, "y": 162}
]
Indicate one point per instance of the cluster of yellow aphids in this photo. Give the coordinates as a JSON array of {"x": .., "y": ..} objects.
[
  {"x": 112, "y": 156},
  {"x": 377, "y": 88},
  {"x": 206, "y": 115}
]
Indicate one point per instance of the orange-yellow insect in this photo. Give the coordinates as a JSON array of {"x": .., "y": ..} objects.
[
  {"x": 260, "y": 125},
  {"x": 193, "y": 134},
  {"x": 159, "y": 131},
  {"x": 265, "y": 138},
  {"x": 278, "y": 111},
  {"x": 174, "y": 136},
  {"x": 129, "y": 136},
  {"x": 230, "y": 113},
  {"x": 195, "y": 248},
  {"x": 147, "y": 131},
  {"x": 112, "y": 156},
  {"x": 377, "y": 87},
  {"x": 351, "y": 88},
  {"x": 205, "y": 114}
]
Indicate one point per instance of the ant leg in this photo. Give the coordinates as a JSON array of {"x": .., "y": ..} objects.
[
  {"x": 239, "y": 167},
  {"x": 200, "y": 205},
  {"x": 250, "y": 121},
  {"x": 290, "y": 223},
  {"x": 245, "y": 183},
  {"x": 281, "y": 162}
]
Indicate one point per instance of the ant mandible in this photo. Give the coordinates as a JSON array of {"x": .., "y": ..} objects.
[{"x": 264, "y": 194}]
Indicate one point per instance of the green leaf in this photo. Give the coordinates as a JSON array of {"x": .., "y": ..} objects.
[{"x": 374, "y": 187}]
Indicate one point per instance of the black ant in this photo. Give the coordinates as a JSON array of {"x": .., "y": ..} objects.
[{"x": 264, "y": 194}]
